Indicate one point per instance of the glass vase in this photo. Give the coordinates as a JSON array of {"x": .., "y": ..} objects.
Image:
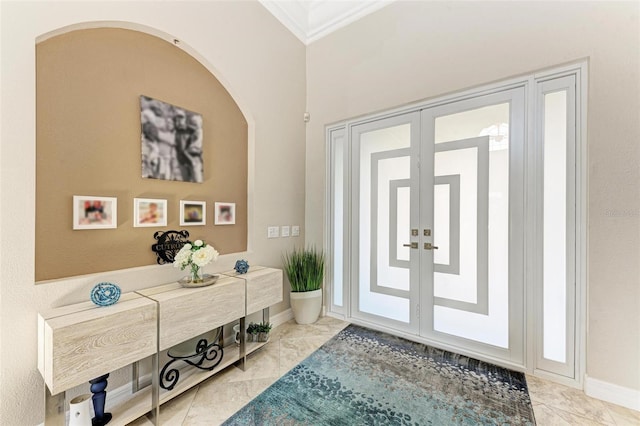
[{"x": 195, "y": 274}]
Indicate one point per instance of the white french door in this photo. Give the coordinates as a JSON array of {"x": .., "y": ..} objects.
[
  {"x": 385, "y": 207},
  {"x": 437, "y": 210},
  {"x": 472, "y": 187},
  {"x": 461, "y": 222}
]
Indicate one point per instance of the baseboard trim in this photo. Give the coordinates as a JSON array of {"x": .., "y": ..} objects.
[
  {"x": 281, "y": 317},
  {"x": 619, "y": 395}
]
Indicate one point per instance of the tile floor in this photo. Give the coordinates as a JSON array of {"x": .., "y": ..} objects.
[{"x": 216, "y": 399}]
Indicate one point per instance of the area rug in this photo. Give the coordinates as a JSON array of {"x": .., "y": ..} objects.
[{"x": 365, "y": 377}]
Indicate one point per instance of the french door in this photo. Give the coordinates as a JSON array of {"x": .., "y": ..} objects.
[
  {"x": 437, "y": 224},
  {"x": 385, "y": 209}
]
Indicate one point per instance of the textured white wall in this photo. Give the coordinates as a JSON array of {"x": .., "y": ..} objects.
[
  {"x": 260, "y": 63},
  {"x": 410, "y": 51}
]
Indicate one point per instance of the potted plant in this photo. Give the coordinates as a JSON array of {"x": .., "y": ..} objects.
[
  {"x": 305, "y": 270},
  {"x": 252, "y": 332},
  {"x": 263, "y": 331},
  {"x": 259, "y": 332}
]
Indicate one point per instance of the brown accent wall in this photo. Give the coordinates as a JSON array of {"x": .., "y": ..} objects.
[{"x": 88, "y": 143}]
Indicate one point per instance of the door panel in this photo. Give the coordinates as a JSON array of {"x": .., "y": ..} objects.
[
  {"x": 556, "y": 100},
  {"x": 472, "y": 283},
  {"x": 337, "y": 260},
  {"x": 463, "y": 283},
  {"x": 385, "y": 176}
]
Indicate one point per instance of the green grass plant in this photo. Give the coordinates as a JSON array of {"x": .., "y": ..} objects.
[{"x": 304, "y": 269}]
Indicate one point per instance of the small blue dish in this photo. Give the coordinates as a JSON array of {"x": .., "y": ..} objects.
[
  {"x": 242, "y": 266},
  {"x": 105, "y": 294}
]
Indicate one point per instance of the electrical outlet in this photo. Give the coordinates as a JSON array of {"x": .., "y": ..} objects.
[
  {"x": 285, "y": 231},
  {"x": 295, "y": 231},
  {"x": 273, "y": 232}
]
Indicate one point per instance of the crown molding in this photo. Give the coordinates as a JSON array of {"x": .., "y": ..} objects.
[{"x": 310, "y": 20}]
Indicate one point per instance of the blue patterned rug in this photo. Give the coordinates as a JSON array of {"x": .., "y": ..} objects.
[{"x": 365, "y": 377}]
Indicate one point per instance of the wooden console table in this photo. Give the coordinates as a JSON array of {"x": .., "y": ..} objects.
[{"x": 80, "y": 342}]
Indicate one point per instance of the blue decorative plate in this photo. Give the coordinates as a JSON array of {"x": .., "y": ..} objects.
[{"x": 105, "y": 294}]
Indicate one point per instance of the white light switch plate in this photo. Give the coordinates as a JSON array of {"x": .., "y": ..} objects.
[
  {"x": 295, "y": 231},
  {"x": 273, "y": 232},
  {"x": 285, "y": 231}
]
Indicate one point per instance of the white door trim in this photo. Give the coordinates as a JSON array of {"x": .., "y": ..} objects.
[{"x": 579, "y": 69}]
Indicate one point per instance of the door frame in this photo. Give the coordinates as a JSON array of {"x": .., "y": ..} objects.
[{"x": 580, "y": 70}]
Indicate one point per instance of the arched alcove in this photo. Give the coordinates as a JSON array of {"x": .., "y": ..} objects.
[{"x": 88, "y": 142}]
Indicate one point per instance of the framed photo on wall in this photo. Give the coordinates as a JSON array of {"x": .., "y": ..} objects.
[
  {"x": 91, "y": 212},
  {"x": 193, "y": 213},
  {"x": 225, "y": 213},
  {"x": 172, "y": 142},
  {"x": 149, "y": 212}
]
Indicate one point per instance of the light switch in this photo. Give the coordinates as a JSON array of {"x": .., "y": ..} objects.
[
  {"x": 295, "y": 231},
  {"x": 273, "y": 232},
  {"x": 285, "y": 231}
]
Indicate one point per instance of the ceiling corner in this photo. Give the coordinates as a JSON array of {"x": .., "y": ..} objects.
[
  {"x": 292, "y": 14},
  {"x": 310, "y": 20}
]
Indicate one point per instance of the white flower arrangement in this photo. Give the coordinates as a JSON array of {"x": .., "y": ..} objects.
[{"x": 195, "y": 256}]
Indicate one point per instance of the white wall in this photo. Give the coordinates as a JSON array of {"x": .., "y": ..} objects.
[
  {"x": 410, "y": 51},
  {"x": 263, "y": 67}
]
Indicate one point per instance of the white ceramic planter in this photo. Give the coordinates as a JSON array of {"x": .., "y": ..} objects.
[
  {"x": 306, "y": 306},
  {"x": 80, "y": 411}
]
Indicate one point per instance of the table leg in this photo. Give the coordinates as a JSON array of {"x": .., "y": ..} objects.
[
  {"x": 243, "y": 348},
  {"x": 155, "y": 389},
  {"x": 54, "y": 412},
  {"x": 135, "y": 377}
]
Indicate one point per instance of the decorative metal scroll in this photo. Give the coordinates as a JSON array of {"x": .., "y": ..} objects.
[
  {"x": 169, "y": 244},
  {"x": 205, "y": 351}
]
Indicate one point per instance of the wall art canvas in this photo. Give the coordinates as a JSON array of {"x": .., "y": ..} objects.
[
  {"x": 172, "y": 142},
  {"x": 225, "y": 213},
  {"x": 91, "y": 212},
  {"x": 149, "y": 212},
  {"x": 193, "y": 212}
]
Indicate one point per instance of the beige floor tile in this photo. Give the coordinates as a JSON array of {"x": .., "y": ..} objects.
[
  {"x": 173, "y": 412},
  {"x": 216, "y": 402},
  {"x": 549, "y": 416},
  {"x": 261, "y": 364},
  {"x": 546, "y": 416},
  {"x": 623, "y": 416},
  {"x": 325, "y": 326},
  {"x": 569, "y": 400},
  {"x": 293, "y": 351}
]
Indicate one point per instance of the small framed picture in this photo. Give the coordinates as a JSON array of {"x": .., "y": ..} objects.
[
  {"x": 90, "y": 212},
  {"x": 225, "y": 213},
  {"x": 193, "y": 213},
  {"x": 149, "y": 212}
]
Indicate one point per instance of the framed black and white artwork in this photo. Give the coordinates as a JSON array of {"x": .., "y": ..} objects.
[{"x": 171, "y": 142}]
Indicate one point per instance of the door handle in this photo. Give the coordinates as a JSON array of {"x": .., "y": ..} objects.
[
  {"x": 428, "y": 246},
  {"x": 411, "y": 245}
]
